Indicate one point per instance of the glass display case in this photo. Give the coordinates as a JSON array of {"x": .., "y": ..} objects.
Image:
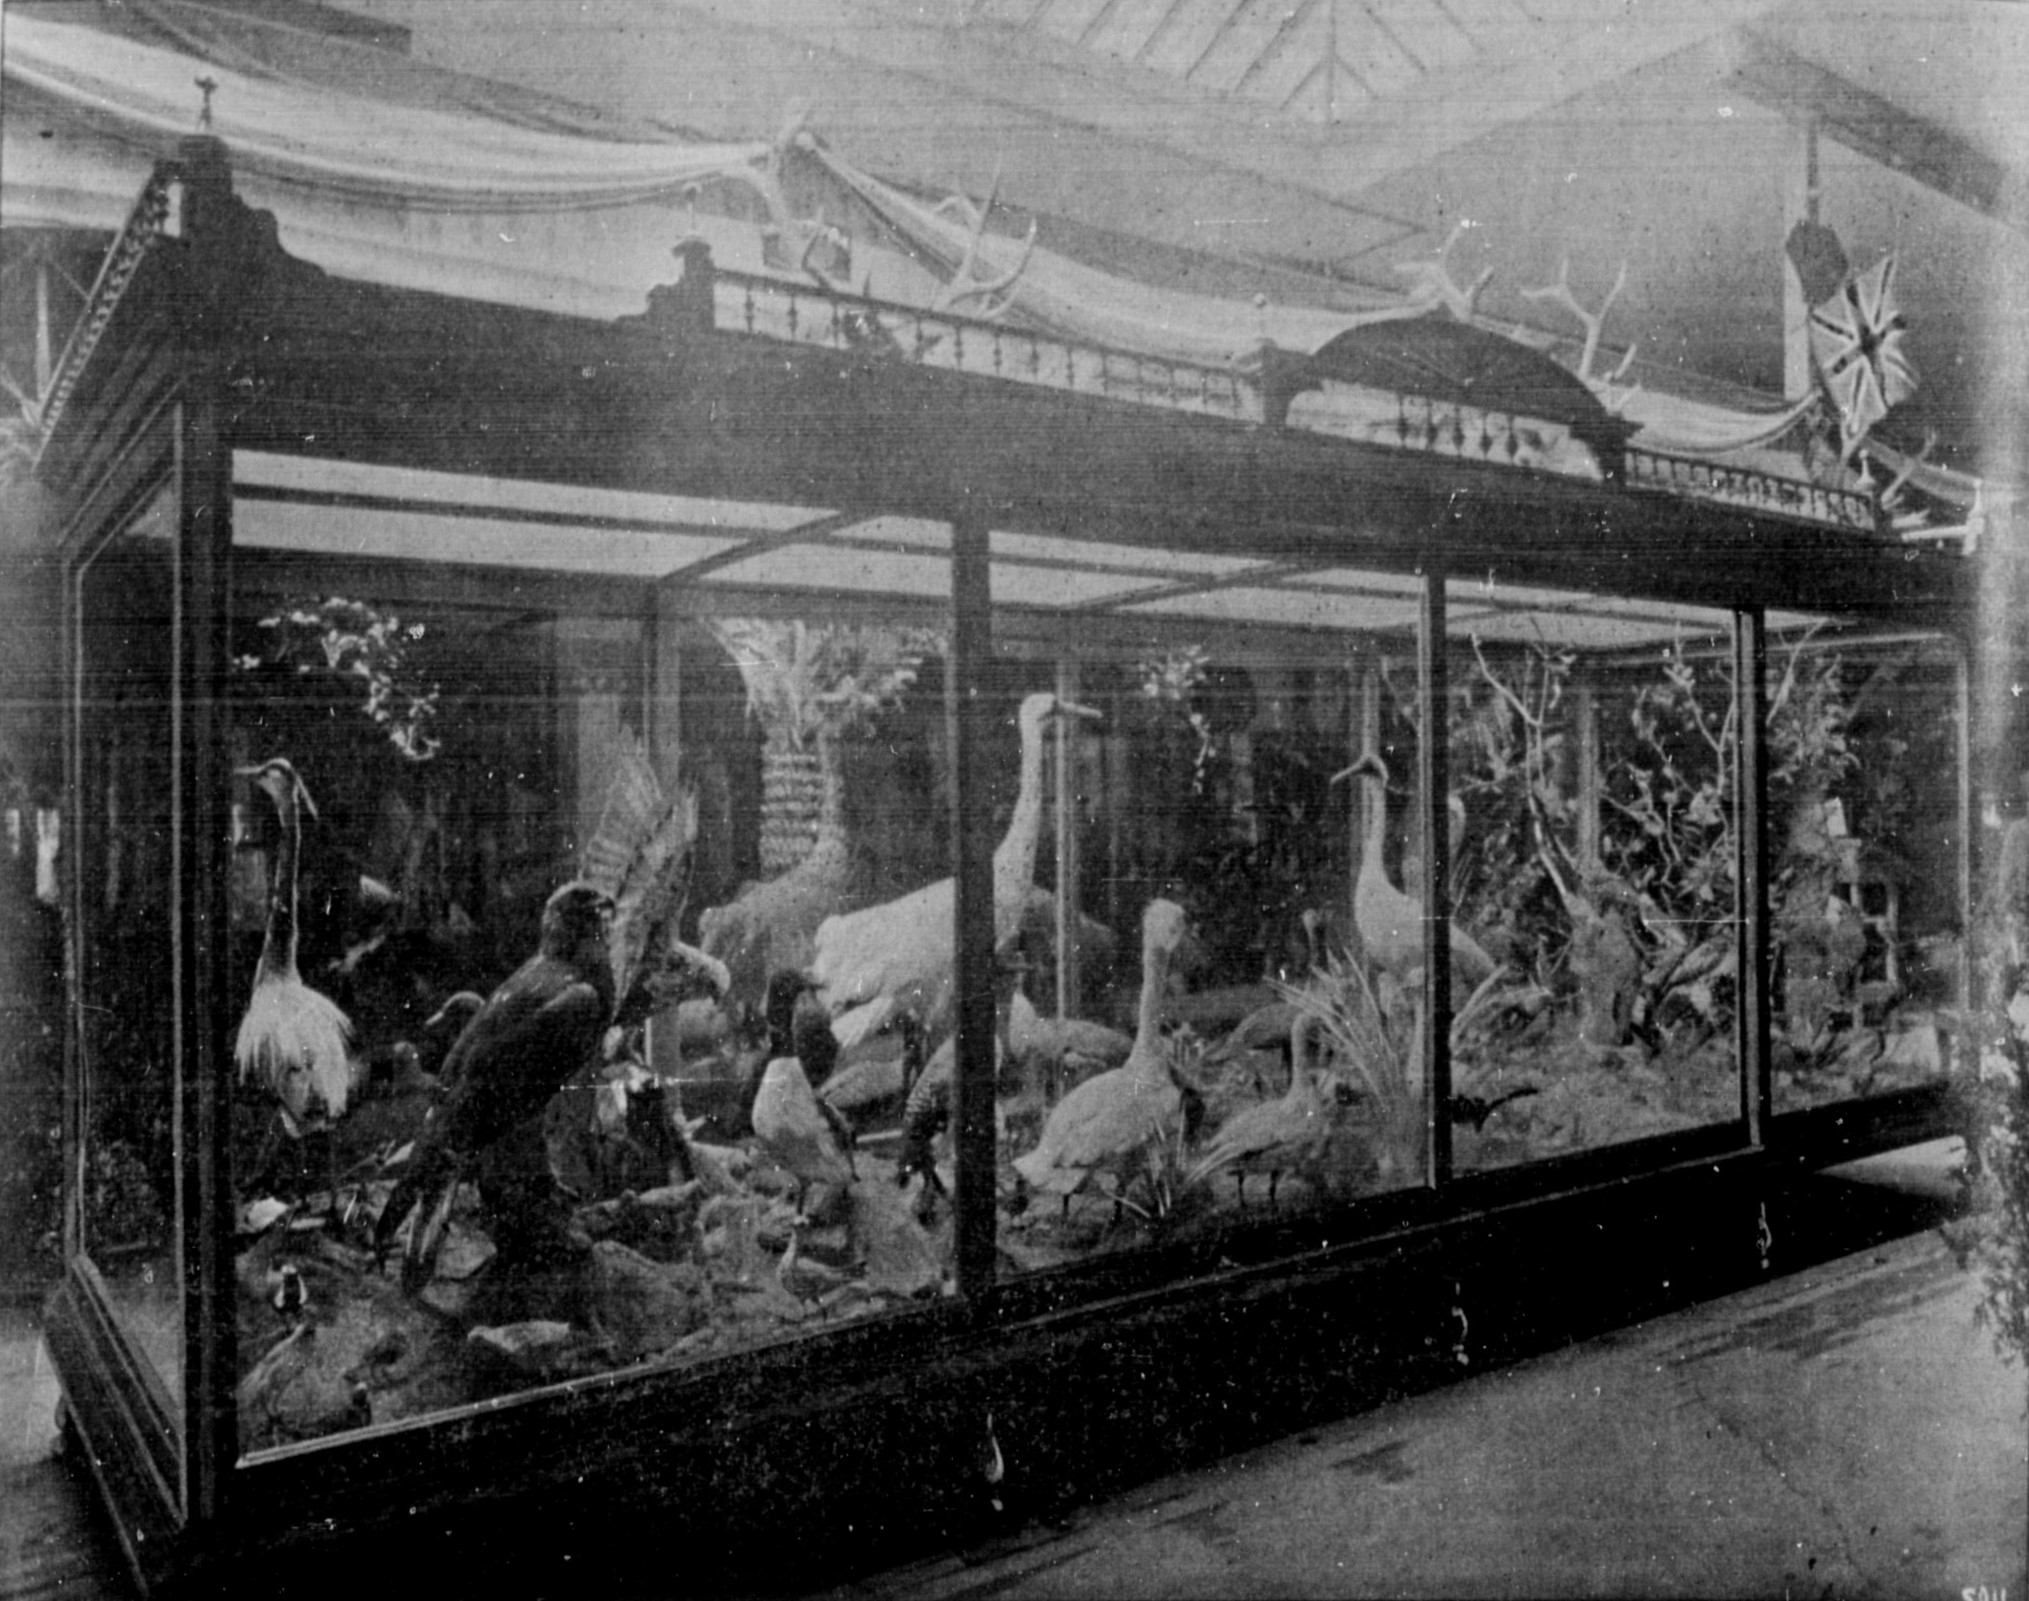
[{"x": 659, "y": 916}]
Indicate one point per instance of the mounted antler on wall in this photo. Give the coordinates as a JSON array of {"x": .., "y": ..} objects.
[{"x": 1559, "y": 293}]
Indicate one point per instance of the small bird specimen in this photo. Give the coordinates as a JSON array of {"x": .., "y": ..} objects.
[
  {"x": 1109, "y": 1123},
  {"x": 1390, "y": 922},
  {"x": 544, "y": 1023},
  {"x": 893, "y": 960},
  {"x": 1289, "y": 1135},
  {"x": 293, "y": 1041}
]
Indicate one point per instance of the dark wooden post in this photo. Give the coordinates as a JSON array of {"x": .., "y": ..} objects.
[
  {"x": 972, "y": 932},
  {"x": 1755, "y": 950},
  {"x": 1433, "y": 772},
  {"x": 211, "y": 224}
]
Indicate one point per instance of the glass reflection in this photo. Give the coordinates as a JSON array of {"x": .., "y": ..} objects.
[
  {"x": 123, "y": 897},
  {"x": 1864, "y": 839},
  {"x": 1592, "y": 766}
]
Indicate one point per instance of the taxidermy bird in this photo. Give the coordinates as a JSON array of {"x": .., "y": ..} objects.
[
  {"x": 1268, "y": 1027},
  {"x": 927, "y": 1112},
  {"x": 293, "y": 1041},
  {"x": 1390, "y": 922},
  {"x": 640, "y": 856},
  {"x": 798, "y": 1026},
  {"x": 801, "y": 1134},
  {"x": 1290, "y": 1135},
  {"x": 1059, "y": 1051},
  {"x": 891, "y": 961},
  {"x": 544, "y": 1023},
  {"x": 772, "y": 925},
  {"x": 1108, "y": 1123}
]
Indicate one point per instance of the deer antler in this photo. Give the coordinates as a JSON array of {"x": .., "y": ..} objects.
[
  {"x": 1559, "y": 293},
  {"x": 1431, "y": 281},
  {"x": 963, "y": 286}
]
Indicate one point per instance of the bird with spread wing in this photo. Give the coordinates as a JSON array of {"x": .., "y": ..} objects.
[{"x": 608, "y": 958}]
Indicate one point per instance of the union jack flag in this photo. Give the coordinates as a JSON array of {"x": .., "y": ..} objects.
[{"x": 1856, "y": 341}]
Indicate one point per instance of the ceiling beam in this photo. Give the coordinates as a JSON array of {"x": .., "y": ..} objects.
[{"x": 1807, "y": 94}]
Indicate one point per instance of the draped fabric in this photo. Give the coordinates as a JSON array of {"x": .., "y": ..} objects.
[
  {"x": 348, "y": 145},
  {"x": 388, "y": 169}
]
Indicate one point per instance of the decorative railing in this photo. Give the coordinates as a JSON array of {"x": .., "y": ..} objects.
[
  {"x": 773, "y": 309},
  {"x": 1753, "y": 491}
]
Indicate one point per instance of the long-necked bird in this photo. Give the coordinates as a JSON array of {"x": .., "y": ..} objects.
[
  {"x": 892, "y": 961},
  {"x": 1288, "y": 1135},
  {"x": 544, "y": 1023},
  {"x": 1109, "y": 1123},
  {"x": 294, "y": 1042},
  {"x": 1389, "y": 921}
]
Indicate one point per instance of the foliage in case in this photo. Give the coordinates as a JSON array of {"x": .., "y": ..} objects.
[
  {"x": 805, "y": 682},
  {"x": 353, "y": 641}
]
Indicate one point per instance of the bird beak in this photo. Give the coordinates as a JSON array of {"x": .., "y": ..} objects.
[{"x": 1070, "y": 708}]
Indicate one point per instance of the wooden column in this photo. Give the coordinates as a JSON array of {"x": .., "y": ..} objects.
[
  {"x": 201, "y": 807},
  {"x": 972, "y": 845},
  {"x": 1755, "y": 949},
  {"x": 1433, "y": 820}
]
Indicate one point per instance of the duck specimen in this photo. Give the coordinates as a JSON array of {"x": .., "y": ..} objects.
[
  {"x": 894, "y": 961},
  {"x": 1290, "y": 1135},
  {"x": 1108, "y": 1123},
  {"x": 804, "y": 1136},
  {"x": 1390, "y": 922},
  {"x": 544, "y": 1023},
  {"x": 293, "y": 1041}
]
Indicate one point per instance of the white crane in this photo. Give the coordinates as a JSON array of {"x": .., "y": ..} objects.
[
  {"x": 887, "y": 963},
  {"x": 1390, "y": 922}
]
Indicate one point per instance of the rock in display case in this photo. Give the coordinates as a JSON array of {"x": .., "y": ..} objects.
[{"x": 808, "y": 914}]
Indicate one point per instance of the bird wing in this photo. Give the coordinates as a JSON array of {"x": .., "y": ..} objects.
[
  {"x": 897, "y": 949},
  {"x": 640, "y": 854},
  {"x": 792, "y": 1128},
  {"x": 534, "y": 1031}
]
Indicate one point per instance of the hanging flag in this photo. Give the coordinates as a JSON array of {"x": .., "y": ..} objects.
[{"x": 1856, "y": 341}]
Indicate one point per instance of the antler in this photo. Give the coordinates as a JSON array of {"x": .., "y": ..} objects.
[
  {"x": 1559, "y": 293},
  {"x": 963, "y": 286},
  {"x": 1431, "y": 281}
]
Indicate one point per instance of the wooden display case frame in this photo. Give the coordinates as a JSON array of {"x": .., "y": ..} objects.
[{"x": 204, "y": 338}]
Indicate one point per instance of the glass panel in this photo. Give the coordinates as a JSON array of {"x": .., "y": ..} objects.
[
  {"x": 429, "y": 752},
  {"x": 1865, "y": 834},
  {"x": 124, "y": 895},
  {"x": 1592, "y": 762},
  {"x": 1224, "y": 1052}
]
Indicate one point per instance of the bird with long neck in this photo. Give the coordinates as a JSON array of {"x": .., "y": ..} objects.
[
  {"x": 884, "y": 962},
  {"x": 1109, "y": 1123},
  {"x": 1280, "y": 1136},
  {"x": 293, "y": 1041},
  {"x": 1390, "y": 922}
]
